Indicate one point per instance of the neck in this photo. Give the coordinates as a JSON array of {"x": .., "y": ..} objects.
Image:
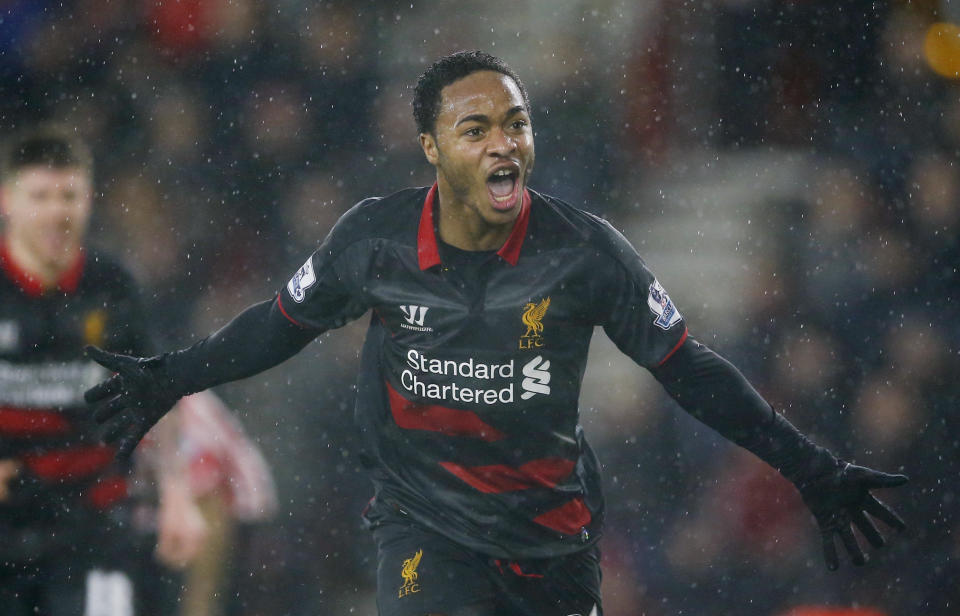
[
  {"x": 47, "y": 273},
  {"x": 462, "y": 227}
]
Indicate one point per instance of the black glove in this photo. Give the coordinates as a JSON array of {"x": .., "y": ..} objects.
[
  {"x": 132, "y": 400},
  {"x": 841, "y": 497}
]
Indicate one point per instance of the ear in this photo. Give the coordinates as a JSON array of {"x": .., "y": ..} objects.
[{"x": 429, "y": 145}]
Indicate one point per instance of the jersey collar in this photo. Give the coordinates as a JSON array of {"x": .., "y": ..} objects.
[
  {"x": 428, "y": 255},
  {"x": 68, "y": 281}
]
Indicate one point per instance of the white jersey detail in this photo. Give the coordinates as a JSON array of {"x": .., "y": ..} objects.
[
  {"x": 662, "y": 306},
  {"x": 302, "y": 280},
  {"x": 109, "y": 593},
  {"x": 537, "y": 373}
]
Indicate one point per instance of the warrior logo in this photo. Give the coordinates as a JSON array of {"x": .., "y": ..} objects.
[
  {"x": 410, "y": 575},
  {"x": 301, "y": 281},
  {"x": 414, "y": 316},
  {"x": 533, "y": 318}
]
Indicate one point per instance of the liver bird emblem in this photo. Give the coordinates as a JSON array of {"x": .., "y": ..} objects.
[
  {"x": 409, "y": 570},
  {"x": 533, "y": 317}
]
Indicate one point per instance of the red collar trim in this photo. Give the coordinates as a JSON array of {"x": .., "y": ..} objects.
[
  {"x": 68, "y": 282},
  {"x": 428, "y": 254},
  {"x": 510, "y": 251}
]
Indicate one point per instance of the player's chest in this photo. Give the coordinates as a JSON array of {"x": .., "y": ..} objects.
[
  {"x": 52, "y": 326},
  {"x": 500, "y": 307}
]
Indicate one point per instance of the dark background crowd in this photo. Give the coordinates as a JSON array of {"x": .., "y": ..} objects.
[{"x": 787, "y": 168}]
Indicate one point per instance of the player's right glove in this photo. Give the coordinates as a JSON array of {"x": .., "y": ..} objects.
[
  {"x": 132, "y": 400},
  {"x": 840, "y": 498}
]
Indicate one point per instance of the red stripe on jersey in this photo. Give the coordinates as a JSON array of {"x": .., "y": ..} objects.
[
  {"x": 284, "y": 313},
  {"x": 70, "y": 463},
  {"x": 497, "y": 478},
  {"x": 515, "y": 567},
  {"x": 567, "y": 519},
  {"x": 23, "y": 422},
  {"x": 453, "y": 422},
  {"x": 675, "y": 348},
  {"x": 107, "y": 492}
]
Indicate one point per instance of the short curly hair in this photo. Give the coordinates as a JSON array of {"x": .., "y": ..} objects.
[{"x": 448, "y": 69}]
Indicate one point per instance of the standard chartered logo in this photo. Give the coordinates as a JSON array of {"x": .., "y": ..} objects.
[
  {"x": 492, "y": 375},
  {"x": 537, "y": 373},
  {"x": 490, "y": 383}
]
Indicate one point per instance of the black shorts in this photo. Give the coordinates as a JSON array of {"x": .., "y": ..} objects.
[{"x": 421, "y": 572}]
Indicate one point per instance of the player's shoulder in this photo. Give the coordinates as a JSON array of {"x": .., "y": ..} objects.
[
  {"x": 569, "y": 225},
  {"x": 103, "y": 269},
  {"x": 381, "y": 217}
]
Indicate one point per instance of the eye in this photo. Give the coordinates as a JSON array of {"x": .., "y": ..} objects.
[
  {"x": 476, "y": 131},
  {"x": 518, "y": 124}
]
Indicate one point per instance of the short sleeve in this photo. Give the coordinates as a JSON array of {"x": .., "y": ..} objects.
[
  {"x": 637, "y": 313},
  {"x": 326, "y": 291}
]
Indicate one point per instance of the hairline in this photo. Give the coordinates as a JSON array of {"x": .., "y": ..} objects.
[
  {"x": 80, "y": 153},
  {"x": 524, "y": 106}
]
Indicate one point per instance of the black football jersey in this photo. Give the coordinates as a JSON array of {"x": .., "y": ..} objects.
[
  {"x": 469, "y": 384},
  {"x": 44, "y": 422}
]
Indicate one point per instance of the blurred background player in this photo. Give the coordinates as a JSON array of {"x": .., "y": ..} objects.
[{"x": 69, "y": 547}]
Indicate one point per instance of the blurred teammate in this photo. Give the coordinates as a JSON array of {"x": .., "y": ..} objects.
[
  {"x": 484, "y": 295},
  {"x": 67, "y": 546}
]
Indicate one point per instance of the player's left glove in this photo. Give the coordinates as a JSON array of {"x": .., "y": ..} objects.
[
  {"x": 132, "y": 400},
  {"x": 841, "y": 497}
]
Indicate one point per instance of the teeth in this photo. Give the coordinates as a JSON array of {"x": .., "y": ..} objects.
[{"x": 503, "y": 172}]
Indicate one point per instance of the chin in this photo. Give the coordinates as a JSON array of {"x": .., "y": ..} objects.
[{"x": 498, "y": 217}]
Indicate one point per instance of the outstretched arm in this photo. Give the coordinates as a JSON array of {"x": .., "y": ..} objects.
[
  {"x": 142, "y": 390},
  {"x": 837, "y": 493}
]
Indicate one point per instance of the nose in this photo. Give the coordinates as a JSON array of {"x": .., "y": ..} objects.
[
  {"x": 61, "y": 208},
  {"x": 500, "y": 143}
]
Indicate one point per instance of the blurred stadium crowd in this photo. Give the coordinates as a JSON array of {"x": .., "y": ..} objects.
[{"x": 787, "y": 168}]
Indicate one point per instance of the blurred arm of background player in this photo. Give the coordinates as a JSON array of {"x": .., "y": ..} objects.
[
  {"x": 9, "y": 469},
  {"x": 223, "y": 471},
  {"x": 181, "y": 527}
]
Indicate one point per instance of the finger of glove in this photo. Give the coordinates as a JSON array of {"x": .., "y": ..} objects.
[
  {"x": 868, "y": 529},
  {"x": 853, "y": 546},
  {"x": 829, "y": 549},
  {"x": 104, "y": 411},
  {"x": 878, "y": 479},
  {"x": 872, "y": 478},
  {"x": 114, "y": 362},
  {"x": 104, "y": 389},
  {"x": 116, "y": 428},
  {"x": 884, "y": 513},
  {"x": 128, "y": 443}
]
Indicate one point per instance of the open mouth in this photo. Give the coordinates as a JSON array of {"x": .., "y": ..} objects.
[{"x": 504, "y": 188}]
